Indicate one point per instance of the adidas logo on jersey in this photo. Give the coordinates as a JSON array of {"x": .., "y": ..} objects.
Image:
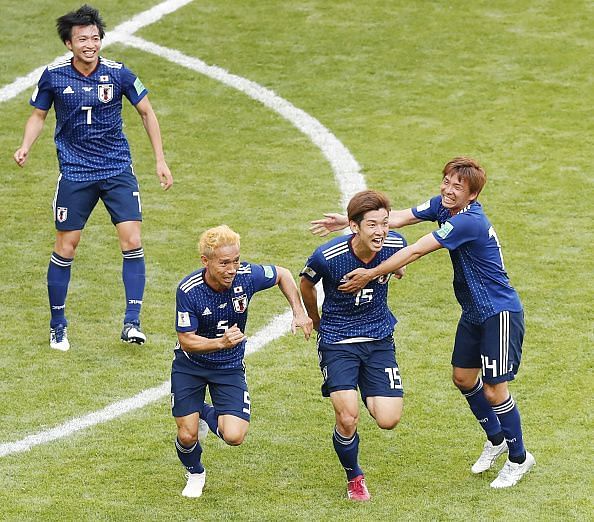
[
  {"x": 68, "y": 90},
  {"x": 207, "y": 311}
]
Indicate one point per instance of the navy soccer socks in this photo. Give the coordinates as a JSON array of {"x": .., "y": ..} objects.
[
  {"x": 511, "y": 424},
  {"x": 134, "y": 277},
  {"x": 190, "y": 457},
  {"x": 347, "y": 449},
  {"x": 58, "y": 278},
  {"x": 484, "y": 413}
]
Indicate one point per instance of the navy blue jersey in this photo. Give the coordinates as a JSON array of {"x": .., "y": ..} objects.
[
  {"x": 89, "y": 138},
  {"x": 352, "y": 316},
  {"x": 481, "y": 284},
  {"x": 209, "y": 313}
]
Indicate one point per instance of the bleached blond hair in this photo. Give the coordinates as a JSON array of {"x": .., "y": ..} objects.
[{"x": 216, "y": 237}]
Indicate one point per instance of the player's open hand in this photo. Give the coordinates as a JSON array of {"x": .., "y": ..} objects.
[
  {"x": 232, "y": 337},
  {"x": 331, "y": 223},
  {"x": 355, "y": 280},
  {"x": 304, "y": 322},
  {"x": 164, "y": 175}
]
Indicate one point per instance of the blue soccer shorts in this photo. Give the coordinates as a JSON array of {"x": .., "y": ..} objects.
[
  {"x": 75, "y": 200},
  {"x": 370, "y": 366},
  {"x": 495, "y": 346},
  {"x": 227, "y": 387}
]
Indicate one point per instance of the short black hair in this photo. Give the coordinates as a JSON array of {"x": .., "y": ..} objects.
[{"x": 85, "y": 15}]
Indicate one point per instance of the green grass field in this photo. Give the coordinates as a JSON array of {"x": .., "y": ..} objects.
[{"x": 404, "y": 86}]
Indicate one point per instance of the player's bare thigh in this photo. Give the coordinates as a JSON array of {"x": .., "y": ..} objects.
[
  {"x": 66, "y": 242},
  {"x": 233, "y": 429},
  {"x": 346, "y": 410},
  {"x": 129, "y": 235},
  {"x": 386, "y": 411}
]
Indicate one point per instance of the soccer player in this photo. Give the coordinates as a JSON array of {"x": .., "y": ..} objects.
[
  {"x": 355, "y": 344},
  {"x": 94, "y": 160},
  {"x": 212, "y": 311},
  {"x": 488, "y": 343}
]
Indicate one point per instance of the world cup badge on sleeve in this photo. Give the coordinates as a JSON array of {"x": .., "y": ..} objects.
[{"x": 106, "y": 92}]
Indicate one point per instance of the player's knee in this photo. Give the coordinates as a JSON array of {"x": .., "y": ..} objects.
[
  {"x": 347, "y": 422},
  {"x": 187, "y": 437},
  {"x": 497, "y": 393},
  {"x": 234, "y": 437},
  {"x": 388, "y": 422},
  {"x": 462, "y": 382}
]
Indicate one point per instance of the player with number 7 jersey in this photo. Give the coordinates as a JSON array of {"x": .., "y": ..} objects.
[
  {"x": 86, "y": 91},
  {"x": 355, "y": 331}
]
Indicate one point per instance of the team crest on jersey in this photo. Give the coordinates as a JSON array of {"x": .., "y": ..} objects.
[
  {"x": 105, "y": 92},
  {"x": 240, "y": 303},
  {"x": 61, "y": 214}
]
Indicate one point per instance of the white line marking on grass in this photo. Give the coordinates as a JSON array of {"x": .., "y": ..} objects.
[
  {"x": 345, "y": 168},
  {"x": 275, "y": 329},
  {"x": 119, "y": 33}
]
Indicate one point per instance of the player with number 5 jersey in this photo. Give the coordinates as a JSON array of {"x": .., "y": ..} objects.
[
  {"x": 86, "y": 91},
  {"x": 212, "y": 311},
  {"x": 355, "y": 331},
  {"x": 488, "y": 344}
]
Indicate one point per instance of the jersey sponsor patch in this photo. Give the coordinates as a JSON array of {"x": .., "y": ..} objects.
[
  {"x": 105, "y": 92},
  {"x": 138, "y": 86},
  {"x": 183, "y": 319},
  {"x": 445, "y": 229},
  {"x": 268, "y": 272},
  {"x": 424, "y": 206},
  {"x": 207, "y": 311},
  {"x": 68, "y": 90}
]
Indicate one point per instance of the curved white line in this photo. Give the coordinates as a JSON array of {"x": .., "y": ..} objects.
[{"x": 344, "y": 166}]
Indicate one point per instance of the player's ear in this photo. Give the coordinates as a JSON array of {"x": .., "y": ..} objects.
[
  {"x": 354, "y": 227},
  {"x": 204, "y": 260}
]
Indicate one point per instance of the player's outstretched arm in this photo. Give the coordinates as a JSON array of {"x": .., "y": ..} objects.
[
  {"x": 332, "y": 222},
  {"x": 358, "y": 279},
  {"x": 310, "y": 300},
  {"x": 287, "y": 285},
  {"x": 190, "y": 342},
  {"x": 151, "y": 125},
  {"x": 33, "y": 129}
]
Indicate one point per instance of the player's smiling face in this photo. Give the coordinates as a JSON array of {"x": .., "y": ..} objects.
[
  {"x": 455, "y": 193},
  {"x": 371, "y": 233},
  {"x": 85, "y": 44},
  {"x": 222, "y": 267}
]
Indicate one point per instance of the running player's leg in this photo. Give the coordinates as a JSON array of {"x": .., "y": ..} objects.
[
  {"x": 501, "y": 353},
  {"x": 72, "y": 205},
  {"x": 466, "y": 375},
  {"x": 188, "y": 389},
  {"x": 230, "y": 413},
  {"x": 121, "y": 197},
  {"x": 340, "y": 368},
  {"x": 381, "y": 385}
]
